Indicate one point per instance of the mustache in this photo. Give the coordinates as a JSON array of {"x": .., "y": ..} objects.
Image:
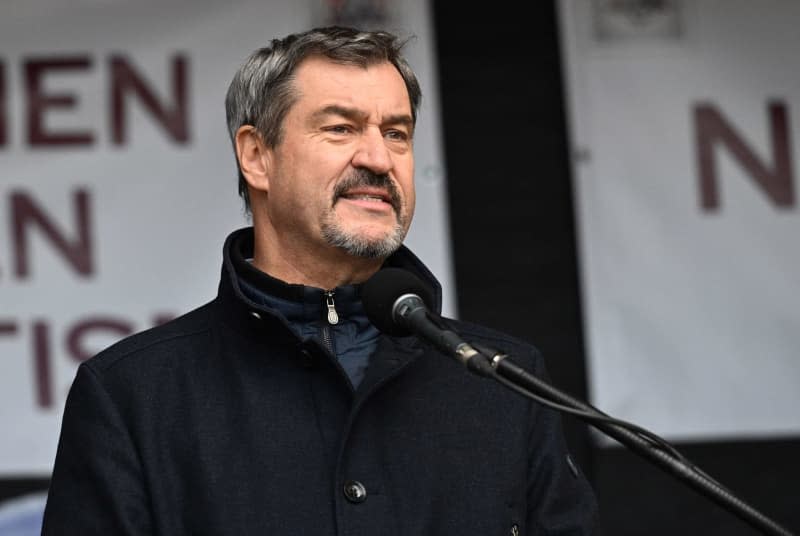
[{"x": 364, "y": 177}]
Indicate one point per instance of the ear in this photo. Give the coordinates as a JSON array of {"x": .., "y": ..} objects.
[{"x": 254, "y": 157}]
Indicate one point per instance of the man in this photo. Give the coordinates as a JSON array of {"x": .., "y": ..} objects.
[{"x": 278, "y": 408}]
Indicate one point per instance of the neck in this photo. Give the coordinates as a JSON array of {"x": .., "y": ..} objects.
[{"x": 296, "y": 263}]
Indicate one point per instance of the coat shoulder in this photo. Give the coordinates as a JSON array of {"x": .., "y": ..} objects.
[
  {"x": 188, "y": 330},
  {"x": 524, "y": 352}
]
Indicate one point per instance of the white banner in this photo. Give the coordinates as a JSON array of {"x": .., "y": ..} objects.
[
  {"x": 683, "y": 119},
  {"x": 118, "y": 182}
]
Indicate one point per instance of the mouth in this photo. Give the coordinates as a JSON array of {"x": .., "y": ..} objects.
[
  {"x": 370, "y": 198},
  {"x": 368, "y": 194},
  {"x": 365, "y": 190}
]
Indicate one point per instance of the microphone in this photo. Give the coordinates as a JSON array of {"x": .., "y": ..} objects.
[{"x": 397, "y": 302}]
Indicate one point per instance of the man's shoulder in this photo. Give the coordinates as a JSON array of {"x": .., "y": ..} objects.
[{"x": 168, "y": 339}]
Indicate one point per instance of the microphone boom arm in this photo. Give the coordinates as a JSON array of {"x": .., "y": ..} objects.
[
  {"x": 520, "y": 380},
  {"x": 410, "y": 314}
]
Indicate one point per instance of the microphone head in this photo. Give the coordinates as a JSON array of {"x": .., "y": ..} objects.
[{"x": 380, "y": 292}]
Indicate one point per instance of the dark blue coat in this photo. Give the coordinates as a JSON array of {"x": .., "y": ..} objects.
[{"x": 225, "y": 422}]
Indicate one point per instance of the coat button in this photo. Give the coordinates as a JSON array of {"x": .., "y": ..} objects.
[{"x": 355, "y": 491}]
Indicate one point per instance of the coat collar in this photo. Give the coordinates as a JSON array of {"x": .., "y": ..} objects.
[{"x": 243, "y": 311}]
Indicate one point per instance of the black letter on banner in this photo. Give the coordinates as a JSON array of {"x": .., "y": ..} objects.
[
  {"x": 712, "y": 128},
  {"x": 124, "y": 79},
  {"x": 38, "y": 102},
  {"x": 25, "y": 213}
]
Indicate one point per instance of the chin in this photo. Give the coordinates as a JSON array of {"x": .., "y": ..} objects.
[{"x": 365, "y": 243}]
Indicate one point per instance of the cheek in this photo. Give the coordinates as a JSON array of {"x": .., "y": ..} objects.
[
  {"x": 411, "y": 205},
  {"x": 321, "y": 173},
  {"x": 302, "y": 187},
  {"x": 407, "y": 184}
]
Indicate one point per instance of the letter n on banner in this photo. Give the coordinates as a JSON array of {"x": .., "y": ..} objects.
[
  {"x": 777, "y": 181},
  {"x": 26, "y": 214},
  {"x": 126, "y": 80}
]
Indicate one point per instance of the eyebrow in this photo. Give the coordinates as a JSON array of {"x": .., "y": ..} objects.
[{"x": 354, "y": 114}]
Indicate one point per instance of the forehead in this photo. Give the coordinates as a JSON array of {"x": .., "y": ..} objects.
[{"x": 377, "y": 88}]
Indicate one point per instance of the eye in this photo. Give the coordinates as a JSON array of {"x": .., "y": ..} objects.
[
  {"x": 339, "y": 129},
  {"x": 396, "y": 135}
]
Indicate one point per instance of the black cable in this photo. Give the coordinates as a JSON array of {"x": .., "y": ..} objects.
[
  {"x": 641, "y": 440},
  {"x": 595, "y": 415}
]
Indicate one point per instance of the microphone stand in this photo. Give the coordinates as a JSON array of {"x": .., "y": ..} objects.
[
  {"x": 647, "y": 445},
  {"x": 393, "y": 303}
]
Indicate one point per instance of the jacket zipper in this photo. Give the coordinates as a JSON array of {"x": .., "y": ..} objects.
[
  {"x": 333, "y": 316},
  {"x": 333, "y": 319}
]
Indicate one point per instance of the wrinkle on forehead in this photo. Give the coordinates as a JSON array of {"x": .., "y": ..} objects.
[{"x": 345, "y": 84}]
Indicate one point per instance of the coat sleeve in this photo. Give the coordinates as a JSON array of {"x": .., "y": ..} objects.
[
  {"x": 97, "y": 486},
  {"x": 560, "y": 500}
]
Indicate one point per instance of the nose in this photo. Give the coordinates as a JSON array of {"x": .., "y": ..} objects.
[{"x": 372, "y": 152}]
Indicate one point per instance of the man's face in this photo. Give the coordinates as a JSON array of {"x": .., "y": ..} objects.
[{"x": 342, "y": 175}]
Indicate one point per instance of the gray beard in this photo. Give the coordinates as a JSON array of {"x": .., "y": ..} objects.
[{"x": 357, "y": 246}]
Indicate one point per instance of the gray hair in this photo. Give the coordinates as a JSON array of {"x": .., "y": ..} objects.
[{"x": 262, "y": 91}]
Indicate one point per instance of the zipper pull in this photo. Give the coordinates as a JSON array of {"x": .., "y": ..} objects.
[{"x": 333, "y": 316}]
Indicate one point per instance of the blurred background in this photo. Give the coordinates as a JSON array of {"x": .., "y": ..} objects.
[{"x": 611, "y": 180}]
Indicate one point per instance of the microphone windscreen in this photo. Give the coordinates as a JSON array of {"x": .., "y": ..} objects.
[{"x": 381, "y": 291}]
